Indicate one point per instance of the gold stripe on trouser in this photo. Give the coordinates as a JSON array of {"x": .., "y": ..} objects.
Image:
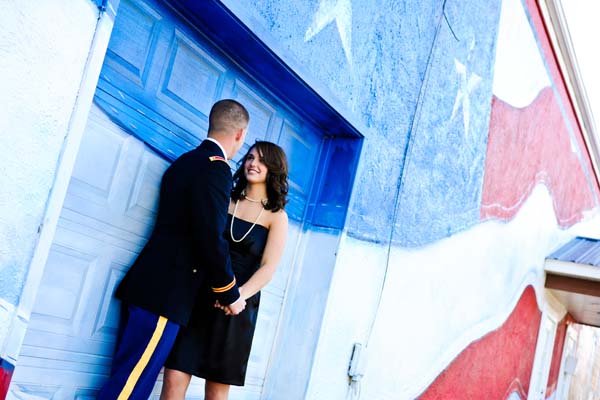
[{"x": 144, "y": 359}]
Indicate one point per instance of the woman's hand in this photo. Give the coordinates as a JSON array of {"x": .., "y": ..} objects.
[{"x": 226, "y": 309}]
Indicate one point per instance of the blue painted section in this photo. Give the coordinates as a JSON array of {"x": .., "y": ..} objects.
[
  {"x": 6, "y": 366},
  {"x": 258, "y": 60},
  {"x": 333, "y": 197},
  {"x": 145, "y": 87},
  {"x": 402, "y": 82},
  {"x": 443, "y": 175},
  {"x": 378, "y": 90}
]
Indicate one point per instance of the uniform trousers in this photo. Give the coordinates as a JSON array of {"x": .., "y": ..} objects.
[{"x": 144, "y": 343}]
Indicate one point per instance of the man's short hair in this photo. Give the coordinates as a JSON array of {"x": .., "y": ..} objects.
[{"x": 227, "y": 115}]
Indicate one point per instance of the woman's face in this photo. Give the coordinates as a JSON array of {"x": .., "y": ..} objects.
[{"x": 254, "y": 169}]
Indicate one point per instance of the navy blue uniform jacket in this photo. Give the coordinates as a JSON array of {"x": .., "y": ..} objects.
[{"x": 187, "y": 250}]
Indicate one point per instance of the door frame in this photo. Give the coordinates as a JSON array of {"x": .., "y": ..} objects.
[
  {"x": 563, "y": 384},
  {"x": 552, "y": 312}
]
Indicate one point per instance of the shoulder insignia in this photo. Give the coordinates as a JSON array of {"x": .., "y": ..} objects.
[{"x": 217, "y": 158}]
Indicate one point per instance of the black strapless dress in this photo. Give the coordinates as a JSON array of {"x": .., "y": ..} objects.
[{"x": 215, "y": 346}]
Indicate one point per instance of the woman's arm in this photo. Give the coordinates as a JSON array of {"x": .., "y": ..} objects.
[{"x": 271, "y": 256}]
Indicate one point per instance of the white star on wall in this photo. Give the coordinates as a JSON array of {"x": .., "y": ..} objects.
[
  {"x": 462, "y": 95},
  {"x": 329, "y": 11}
]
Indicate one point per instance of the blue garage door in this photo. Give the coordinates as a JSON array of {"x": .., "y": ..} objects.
[{"x": 158, "y": 83}]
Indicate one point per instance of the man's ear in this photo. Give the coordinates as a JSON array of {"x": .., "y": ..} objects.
[{"x": 239, "y": 134}]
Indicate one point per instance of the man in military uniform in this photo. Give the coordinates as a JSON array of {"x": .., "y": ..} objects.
[{"x": 186, "y": 250}]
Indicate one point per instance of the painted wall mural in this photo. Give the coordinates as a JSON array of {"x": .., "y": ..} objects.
[
  {"x": 496, "y": 175},
  {"x": 496, "y": 366},
  {"x": 473, "y": 169},
  {"x": 370, "y": 64},
  {"x": 532, "y": 129}
]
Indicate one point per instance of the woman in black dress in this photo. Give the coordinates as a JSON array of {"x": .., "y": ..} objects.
[{"x": 216, "y": 346}]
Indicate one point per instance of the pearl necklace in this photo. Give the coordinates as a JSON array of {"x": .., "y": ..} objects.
[
  {"x": 250, "y": 199},
  {"x": 233, "y": 218}
]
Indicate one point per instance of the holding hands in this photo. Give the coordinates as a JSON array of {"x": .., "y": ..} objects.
[{"x": 234, "y": 308}]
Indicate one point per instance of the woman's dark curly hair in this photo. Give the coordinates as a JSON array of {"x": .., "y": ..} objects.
[{"x": 275, "y": 160}]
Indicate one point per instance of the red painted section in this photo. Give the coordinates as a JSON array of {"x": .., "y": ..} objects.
[
  {"x": 559, "y": 344},
  {"x": 496, "y": 365},
  {"x": 557, "y": 77},
  {"x": 529, "y": 146},
  {"x": 6, "y": 372},
  {"x": 533, "y": 145}
]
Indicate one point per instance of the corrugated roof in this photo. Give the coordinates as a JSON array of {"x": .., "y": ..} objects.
[{"x": 580, "y": 250}]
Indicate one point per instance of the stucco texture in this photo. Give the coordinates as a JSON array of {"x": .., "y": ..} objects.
[
  {"x": 43, "y": 50},
  {"x": 441, "y": 184},
  {"x": 368, "y": 59},
  {"x": 498, "y": 364}
]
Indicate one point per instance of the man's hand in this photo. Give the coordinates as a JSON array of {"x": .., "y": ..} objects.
[{"x": 234, "y": 308}]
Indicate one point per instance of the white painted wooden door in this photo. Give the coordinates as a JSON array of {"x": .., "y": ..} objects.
[
  {"x": 111, "y": 202},
  {"x": 106, "y": 219}
]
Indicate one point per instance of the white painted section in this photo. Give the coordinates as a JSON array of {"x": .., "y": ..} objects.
[
  {"x": 514, "y": 396},
  {"x": 455, "y": 291},
  {"x": 353, "y": 296},
  {"x": 7, "y": 311},
  {"x": 302, "y": 315},
  {"x": 468, "y": 81},
  {"x": 340, "y": 12},
  {"x": 41, "y": 45},
  {"x": 517, "y": 82},
  {"x": 437, "y": 300}
]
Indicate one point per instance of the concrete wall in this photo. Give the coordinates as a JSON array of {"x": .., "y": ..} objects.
[
  {"x": 473, "y": 170},
  {"x": 44, "y": 46}
]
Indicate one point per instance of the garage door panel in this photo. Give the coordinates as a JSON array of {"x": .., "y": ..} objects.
[
  {"x": 134, "y": 175},
  {"x": 63, "y": 291},
  {"x": 187, "y": 59},
  {"x": 156, "y": 89},
  {"x": 302, "y": 148},
  {"x": 33, "y": 391},
  {"x": 142, "y": 202},
  {"x": 106, "y": 323},
  {"x": 266, "y": 328},
  {"x": 93, "y": 176},
  {"x": 88, "y": 228},
  {"x": 280, "y": 279},
  {"x": 261, "y": 112},
  {"x": 133, "y": 41},
  {"x": 163, "y": 135},
  {"x": 45, "y": 346}
]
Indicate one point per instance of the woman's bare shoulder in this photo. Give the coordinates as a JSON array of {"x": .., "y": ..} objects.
[{"x": 279, "y": 217}]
